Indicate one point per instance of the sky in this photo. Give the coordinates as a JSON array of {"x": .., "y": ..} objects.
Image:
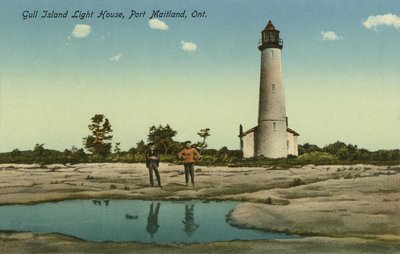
[{"x": 340, "y": 64}]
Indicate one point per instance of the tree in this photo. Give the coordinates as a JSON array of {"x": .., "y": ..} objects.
[
  {"x": 336, "y": 148},
  {"x": 15, "y": 153},
  {"x": 308, "y": 148},
  {"x": 99, "y": 142},
  {"x": 204, "y": 133},
  {"x": 342, "y": 151},
  {"x": 78, "y": 154},
  {"x": 141, "y": 147},
  {"x": 74, "y": 149},
  {"x": 67, "y": 152},
  {"x": 117, "y": 149},
  {"x": 162, "y": 136},
  {"x": 362, "y": 154},
  {"x": 39, "y": 150}
]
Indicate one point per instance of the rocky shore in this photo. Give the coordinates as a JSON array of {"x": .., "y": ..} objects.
[{"x": 339, "y": 208}]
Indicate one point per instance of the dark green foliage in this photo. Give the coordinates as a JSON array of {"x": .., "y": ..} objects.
[
  {"x": 336, "y": 153},
  {"x": 317, "y": 158},
  {"x": 308, "y": 148},
  {"x": 117, "y": 150},
  {"x": 204, "y": 134},
  {"x": 386, "y": 155},
  {"x": 209, "y": 152},
  {"x": 15, "y": 153},
  {"x": 163, "y": 138},
  {"x": 223, "y": 156},
  {"x": 41, "y": 155},
  {"x": 341, "y": 150},
  {"x": 39, "y": 150},
  {"x": 141, "y": 147},
  {"x": 74, "y": 155},
  {"x": 99, "y": 142}
]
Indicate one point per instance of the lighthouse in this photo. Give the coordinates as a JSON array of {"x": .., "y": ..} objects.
[
  {"x": 271, "y": 138},
  {"x": 272, "y": 124}
]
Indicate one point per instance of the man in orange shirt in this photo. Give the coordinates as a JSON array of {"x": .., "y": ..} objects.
[{"x": 189, "y": 156}]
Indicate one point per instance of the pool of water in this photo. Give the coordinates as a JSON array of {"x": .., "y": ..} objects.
[{"x": 131, "y": 221}]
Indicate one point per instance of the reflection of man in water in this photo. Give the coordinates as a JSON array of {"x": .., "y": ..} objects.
[
  {"x": 152, "y": 220},
  {"x": 190, "y": 226}
]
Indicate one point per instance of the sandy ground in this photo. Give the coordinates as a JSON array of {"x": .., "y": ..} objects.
[{"x": 341, "y": 209}]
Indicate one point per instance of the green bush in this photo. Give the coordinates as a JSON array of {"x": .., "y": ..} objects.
[
  {"x": 317, "y": 158},
  {"x": 336, "y": 153}
]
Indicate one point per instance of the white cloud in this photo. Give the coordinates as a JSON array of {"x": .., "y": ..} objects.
[
  {"x": 81, "y": 31},
  {"x": 115, "y": 57},
  {"x": 188, "y": 46},
  {"x": 157, "y": 24},
  {"x": 382, "y": 20},
  {"x": 329, "y": 36}
]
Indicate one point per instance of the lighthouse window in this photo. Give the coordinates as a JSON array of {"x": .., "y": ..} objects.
[
  {"x": 274, "y": 125},
  {"x": 272, "y": 53},
  {"x": 272, "y": 36},
  {"x": 273, "y": 88},
  {"x": 265, "y": 37}
]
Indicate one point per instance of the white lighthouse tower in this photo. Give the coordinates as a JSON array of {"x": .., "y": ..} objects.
[{"x": 271, "y": 136}]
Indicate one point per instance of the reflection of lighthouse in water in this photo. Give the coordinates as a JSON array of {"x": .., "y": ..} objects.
[
  {"x": 190, "y": 226},
  {"x": 271, "y": 138}
]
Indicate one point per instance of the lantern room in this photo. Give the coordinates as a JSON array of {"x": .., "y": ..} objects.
[{"x": 270, "y": 38}]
